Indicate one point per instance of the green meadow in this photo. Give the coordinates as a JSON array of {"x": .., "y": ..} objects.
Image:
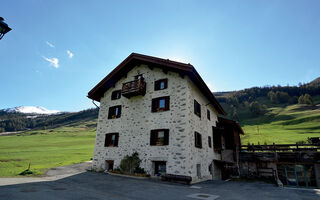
[
  {"x": 283, "y": 125},
  {"x": 45, "y": 149}
]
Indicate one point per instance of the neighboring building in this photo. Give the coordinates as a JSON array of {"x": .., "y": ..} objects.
[{"x": 164, "y": 111}]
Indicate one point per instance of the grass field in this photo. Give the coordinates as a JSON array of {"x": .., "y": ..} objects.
[
  {"x": 44, "y": 149},
  {"x": 283, "y": 125}
]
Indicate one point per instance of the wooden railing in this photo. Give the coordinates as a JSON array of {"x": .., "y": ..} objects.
[
  {"x": 280, "y": 148},
  {"x": 133, "y": 88}
]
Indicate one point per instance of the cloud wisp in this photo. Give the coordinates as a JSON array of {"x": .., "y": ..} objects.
[
  {"x": 50, "y": 44},
  {"x": 53, "y": 61},
  {"x": 70, "y": 54}
]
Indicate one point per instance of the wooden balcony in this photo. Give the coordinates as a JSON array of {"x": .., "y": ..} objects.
[{"x": 134, "y": 88}]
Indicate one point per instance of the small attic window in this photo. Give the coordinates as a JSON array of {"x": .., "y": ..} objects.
[
  {"x": 161, "y": 84},
  {"x": 116, "y": 95}
]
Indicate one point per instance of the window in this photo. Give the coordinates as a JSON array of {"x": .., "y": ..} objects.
[
  {"x": 197, "y": 140},
  {"x": 199, "y": 170},
  {"x": 111, "y": 140},
  {"x": 116, "y": 95},
  {"x": 209, "y": 141},
  {"x": 208, "y": 114},
  {"x": 197, "y": 108},
  {"x": 160, "y": 104},
  {"x": 114, "y": 112},
  {"x": 159, "y": 137},
  {"x": 159, "y": 168},
  {"x": 161, "y": 84}
]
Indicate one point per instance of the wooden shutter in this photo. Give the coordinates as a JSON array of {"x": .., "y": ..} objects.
[
  {"x": 200, "y": 140},
  {"x": 107, "y": 140},
  {"x": 157, "y": 85},
  {"x": 195, "y": 139},
  {"x": 166, "y": 137},
  {"x": 116, "y": 140},
  {"x": 152, "y": 137},
  {"x": 167, "y": 100},
  {"x": 154, "y": 105},
  {"x": 119, "y": 111},
  {"x": 209, "y": 141},
  {"x": 110, "y": 112},
  {"x": 195, "y": 106}
]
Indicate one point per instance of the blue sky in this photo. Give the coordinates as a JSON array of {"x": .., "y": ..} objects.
[{"x": 58, "y": 50}]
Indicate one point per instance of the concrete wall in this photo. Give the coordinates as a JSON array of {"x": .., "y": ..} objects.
[{"x": 137, "y": 121}]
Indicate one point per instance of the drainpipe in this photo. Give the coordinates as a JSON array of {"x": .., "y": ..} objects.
[{"x": 95, "y": 104}]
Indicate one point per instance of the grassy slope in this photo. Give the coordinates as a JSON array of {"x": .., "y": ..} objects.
[
  {"x": 287, "y": 124},
  {"x": 46, "y": 148}
]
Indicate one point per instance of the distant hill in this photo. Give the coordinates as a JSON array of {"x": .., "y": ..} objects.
[
  {"x": 280, "y": 114},
  {"x": 19, "y": 121}
]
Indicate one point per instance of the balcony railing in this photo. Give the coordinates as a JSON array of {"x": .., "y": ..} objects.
[{"x": 134, "y": 88}]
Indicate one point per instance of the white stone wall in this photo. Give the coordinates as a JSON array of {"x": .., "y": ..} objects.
[
  {"x": 137, "y": 121},
  {"x": 205, "y": 155}
]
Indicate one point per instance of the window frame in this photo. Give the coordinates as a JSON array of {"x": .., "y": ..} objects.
[
  {"x": 108, "y": 142},
  {"x": 209, "y": 142},
  {"x": 155, "y": 104},
  {"x": 197, "y": 108},
  {"x": 112, "y": 112},
  {"x": 154, "y": 137},
  {"x": 114, "y": 95},
  {"x": 157, "y": 84},
  {"x": 197, "y": 140}
]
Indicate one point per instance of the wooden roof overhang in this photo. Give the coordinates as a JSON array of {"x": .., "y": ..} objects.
[
  {"x": 166, "y": 65},
  {"x": 230, "y": 123}
]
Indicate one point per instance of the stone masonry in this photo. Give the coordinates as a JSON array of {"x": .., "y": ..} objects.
[{"x": 137, "y": 121}]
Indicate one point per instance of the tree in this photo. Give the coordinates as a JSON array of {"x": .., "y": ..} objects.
[
  {"x": 257, "y": 109},
  {"x": 305, "y": 99}
]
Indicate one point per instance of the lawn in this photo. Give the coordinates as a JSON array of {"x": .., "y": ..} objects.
[
  {"x": 283, "y": 125},
  {"x": 44, "y": 149}
]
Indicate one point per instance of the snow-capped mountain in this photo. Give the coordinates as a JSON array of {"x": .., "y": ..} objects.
[{"x": 32, "y": 110}]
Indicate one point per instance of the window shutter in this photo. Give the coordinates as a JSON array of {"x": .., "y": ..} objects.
[
  {"x": 119, "y": 111},
  {"x": 110, "y": 113},
  {"x": 195, "y": 106},
  {"x": 200, "y": 140},
  {"x": 107, "y": 140},
  {"x": 166, "y": 137},
  {"x": 117, "y": 139},
  {"x": 195, "y": 139},
  {"x": 167, "y": 99},
  {"x": 154, "y": 105},
  {"x": 152, "y": 138},
  {"x": 156, "y": 85}
]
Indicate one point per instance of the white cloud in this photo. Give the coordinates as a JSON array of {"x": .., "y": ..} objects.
[
  {"x": 49, "y": 44},
  {"x": 53, "y": 61},
  {"x": 70, "y": 54}
]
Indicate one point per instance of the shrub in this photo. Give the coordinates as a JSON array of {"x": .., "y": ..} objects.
[{"x": 130, "y": 163}]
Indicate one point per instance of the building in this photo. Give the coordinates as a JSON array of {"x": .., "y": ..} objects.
[{"x": 164, "y": 111}]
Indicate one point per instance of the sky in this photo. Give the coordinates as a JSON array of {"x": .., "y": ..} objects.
[{"x": 58, "y": 50}]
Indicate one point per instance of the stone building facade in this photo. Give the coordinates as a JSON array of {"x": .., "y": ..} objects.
[{"x": 161, "y": 124}]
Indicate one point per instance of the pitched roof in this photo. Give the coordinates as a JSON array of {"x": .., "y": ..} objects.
[{"x": 135, "y": 59}]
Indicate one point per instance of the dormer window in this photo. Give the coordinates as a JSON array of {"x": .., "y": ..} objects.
[
  {"x": 116, "y": 95},
  {"x": 161, "y": 84}
]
